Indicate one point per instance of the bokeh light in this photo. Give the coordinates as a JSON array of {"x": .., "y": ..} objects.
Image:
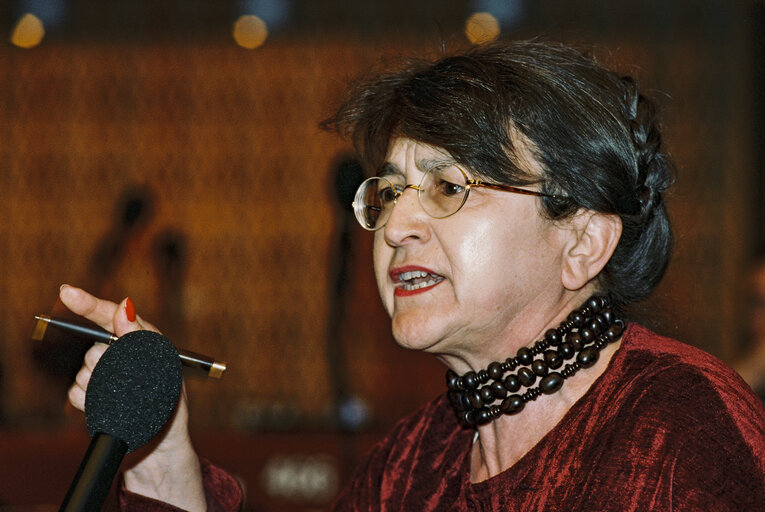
[
  {"x": 250, "y": 31},
  {"x": 28, "y": 32},
  {"x": 481, "y": 27}
]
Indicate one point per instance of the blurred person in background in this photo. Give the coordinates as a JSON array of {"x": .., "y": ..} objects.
[{"x": 752, "y": 366}]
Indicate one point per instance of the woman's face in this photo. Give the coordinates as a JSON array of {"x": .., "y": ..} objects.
[{"x": 463, "y": 284}]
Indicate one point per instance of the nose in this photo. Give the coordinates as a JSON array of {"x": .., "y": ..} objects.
[{"x": 407, "y": 221}]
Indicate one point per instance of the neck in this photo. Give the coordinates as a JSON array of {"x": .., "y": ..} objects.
[
  {"x": 502, "y": 443},
  {"x": 505, "y": 387}
]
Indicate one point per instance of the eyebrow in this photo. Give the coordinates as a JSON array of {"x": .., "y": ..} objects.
[
  {"x": 427, "y": 164},
  {"x": 424, "y": 165},
  {"x": 389, "y": 169}
]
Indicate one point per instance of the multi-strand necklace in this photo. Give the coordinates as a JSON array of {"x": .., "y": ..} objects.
[{"x": 580, "y": 337}]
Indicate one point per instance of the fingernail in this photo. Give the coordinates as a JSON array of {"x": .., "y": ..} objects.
[{"x": 129, "y": 310}]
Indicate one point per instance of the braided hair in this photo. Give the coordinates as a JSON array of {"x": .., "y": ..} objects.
[{"x": 592, "y": 131}]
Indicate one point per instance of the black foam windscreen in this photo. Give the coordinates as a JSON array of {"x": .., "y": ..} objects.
[{"x": 134, "y": 388}]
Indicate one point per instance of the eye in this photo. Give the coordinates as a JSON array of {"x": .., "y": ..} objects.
[
  {"x": 388, "y": 194},
  {"x": 446, "y": 181},
  {"x": 448, "y": 188}
]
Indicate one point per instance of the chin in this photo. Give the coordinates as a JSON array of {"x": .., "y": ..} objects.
[{"x": 413, "y": 335}]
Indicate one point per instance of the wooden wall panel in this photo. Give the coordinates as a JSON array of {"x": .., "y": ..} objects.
[
  {"x": 234, "y": 256},
  {"x": 222, "y": 148}
]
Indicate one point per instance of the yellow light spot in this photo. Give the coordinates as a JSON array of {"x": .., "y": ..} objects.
[
  {"x": 250, "y": 31},
  {"x": 28, "y": 32},
  {"x": 481, "y": 27}
]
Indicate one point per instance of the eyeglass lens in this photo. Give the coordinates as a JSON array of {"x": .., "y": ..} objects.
[{"x": 441, "y": 193}]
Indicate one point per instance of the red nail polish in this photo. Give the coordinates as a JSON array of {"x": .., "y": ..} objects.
[{"x": 129, "y": 310}]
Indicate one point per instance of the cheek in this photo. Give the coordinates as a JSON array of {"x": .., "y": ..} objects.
[
  {"x": 381, "y": 254},
  {"x": 502, "y": 262}
]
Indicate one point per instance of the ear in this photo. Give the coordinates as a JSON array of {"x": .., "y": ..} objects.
[{"x": 593, "y": 240}]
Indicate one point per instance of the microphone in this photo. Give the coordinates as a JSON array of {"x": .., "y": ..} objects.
[{"x": 133, "y": 391}]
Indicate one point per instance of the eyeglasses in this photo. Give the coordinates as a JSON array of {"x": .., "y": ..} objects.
[{"x": 441, "y": 193}]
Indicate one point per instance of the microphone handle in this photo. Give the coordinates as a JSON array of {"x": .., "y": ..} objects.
[{"x": 94, "y": 478}]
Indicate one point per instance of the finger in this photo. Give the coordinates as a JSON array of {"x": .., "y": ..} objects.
[
  {"x": 82, "y": 379},
  {"x": 84, "y": 304},
  {"x": 126, "y": 320},
  {"x": 76, "y": 397},
  {"x": 93, "y": 355}
]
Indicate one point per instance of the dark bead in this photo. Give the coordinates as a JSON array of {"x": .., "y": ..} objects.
[
  {"x": 566, "y": 351},
  {"x": 577, "y": 318},
  {"x": 614, "y": 331},
  {"x": 498, "y": 389},
  {"x": 552, "y": 337},
  {"x": 594, "y": 304},
  {"x": 465, "y": 402},
  {"x": 524, "y": 356},
  {"x": 469, "y": 417},
  {"x": 475, "y": 399},
  {"x": 587, "y": 357},
  {"x": 483, "y": 417},
  {"x": 551, "y": 383},
  {"x": 512, "y": 405},
  {"x": 512, "y": 383},
  {"x": 569, "y": 370},
  {"x": 539, "y": 367},
  {"x": 487, "y": 396},
  {"x": 511, "y": 363},
  {"x": 587, "y": 335},
  {"x": 552, "y": 359},
  {"x": 594, "y": 326},
  {"x": 526, "y": 376},
  {"x": 495, "y": 371},
  {"x": 608, "y": 316},
  {"x": 575, "y": 339},
  {"x": 470, "y": 380},
  {"x": 482, "y": 376},
  {"x": 451, "y": 380}
]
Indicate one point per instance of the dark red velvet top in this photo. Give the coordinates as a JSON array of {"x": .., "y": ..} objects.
[{"x": 666, "y": 427}]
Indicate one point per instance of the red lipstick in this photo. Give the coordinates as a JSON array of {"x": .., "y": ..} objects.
[{"x": 412, "y": 280}]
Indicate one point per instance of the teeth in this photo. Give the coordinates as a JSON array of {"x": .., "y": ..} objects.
[
  {"x": 408, "y": 276},
  {"x": 416, "y": 279}
]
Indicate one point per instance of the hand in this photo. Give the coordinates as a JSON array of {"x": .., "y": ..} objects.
[
  {"x": 118, "y": 319},
  {"x": 167, "y": 468}
]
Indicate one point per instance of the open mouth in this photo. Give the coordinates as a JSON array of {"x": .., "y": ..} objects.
[{"x": 417, "y": 279}]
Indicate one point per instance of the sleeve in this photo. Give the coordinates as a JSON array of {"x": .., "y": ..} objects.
[{"x": 222, "y": 491}]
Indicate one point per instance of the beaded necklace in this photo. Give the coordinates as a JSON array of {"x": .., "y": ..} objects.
[{"x": 584, "y": 333}]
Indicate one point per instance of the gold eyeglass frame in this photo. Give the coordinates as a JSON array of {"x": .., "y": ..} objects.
[{"x": 359, "y": 207}]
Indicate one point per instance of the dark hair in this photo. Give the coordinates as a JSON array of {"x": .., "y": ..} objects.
[{"x": 591, "y": 130}]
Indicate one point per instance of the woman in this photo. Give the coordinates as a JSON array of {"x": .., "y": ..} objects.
[{"x": 517, "y": 208}]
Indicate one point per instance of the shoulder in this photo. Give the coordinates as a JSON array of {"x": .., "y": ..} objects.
[
  {"x": 659, "y": 360},
  {"x": 671, "y": 423},
  {"x": 689, "y": 391}
]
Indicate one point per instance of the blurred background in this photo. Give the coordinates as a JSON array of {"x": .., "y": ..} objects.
[{"x": 170, "y": 151}]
